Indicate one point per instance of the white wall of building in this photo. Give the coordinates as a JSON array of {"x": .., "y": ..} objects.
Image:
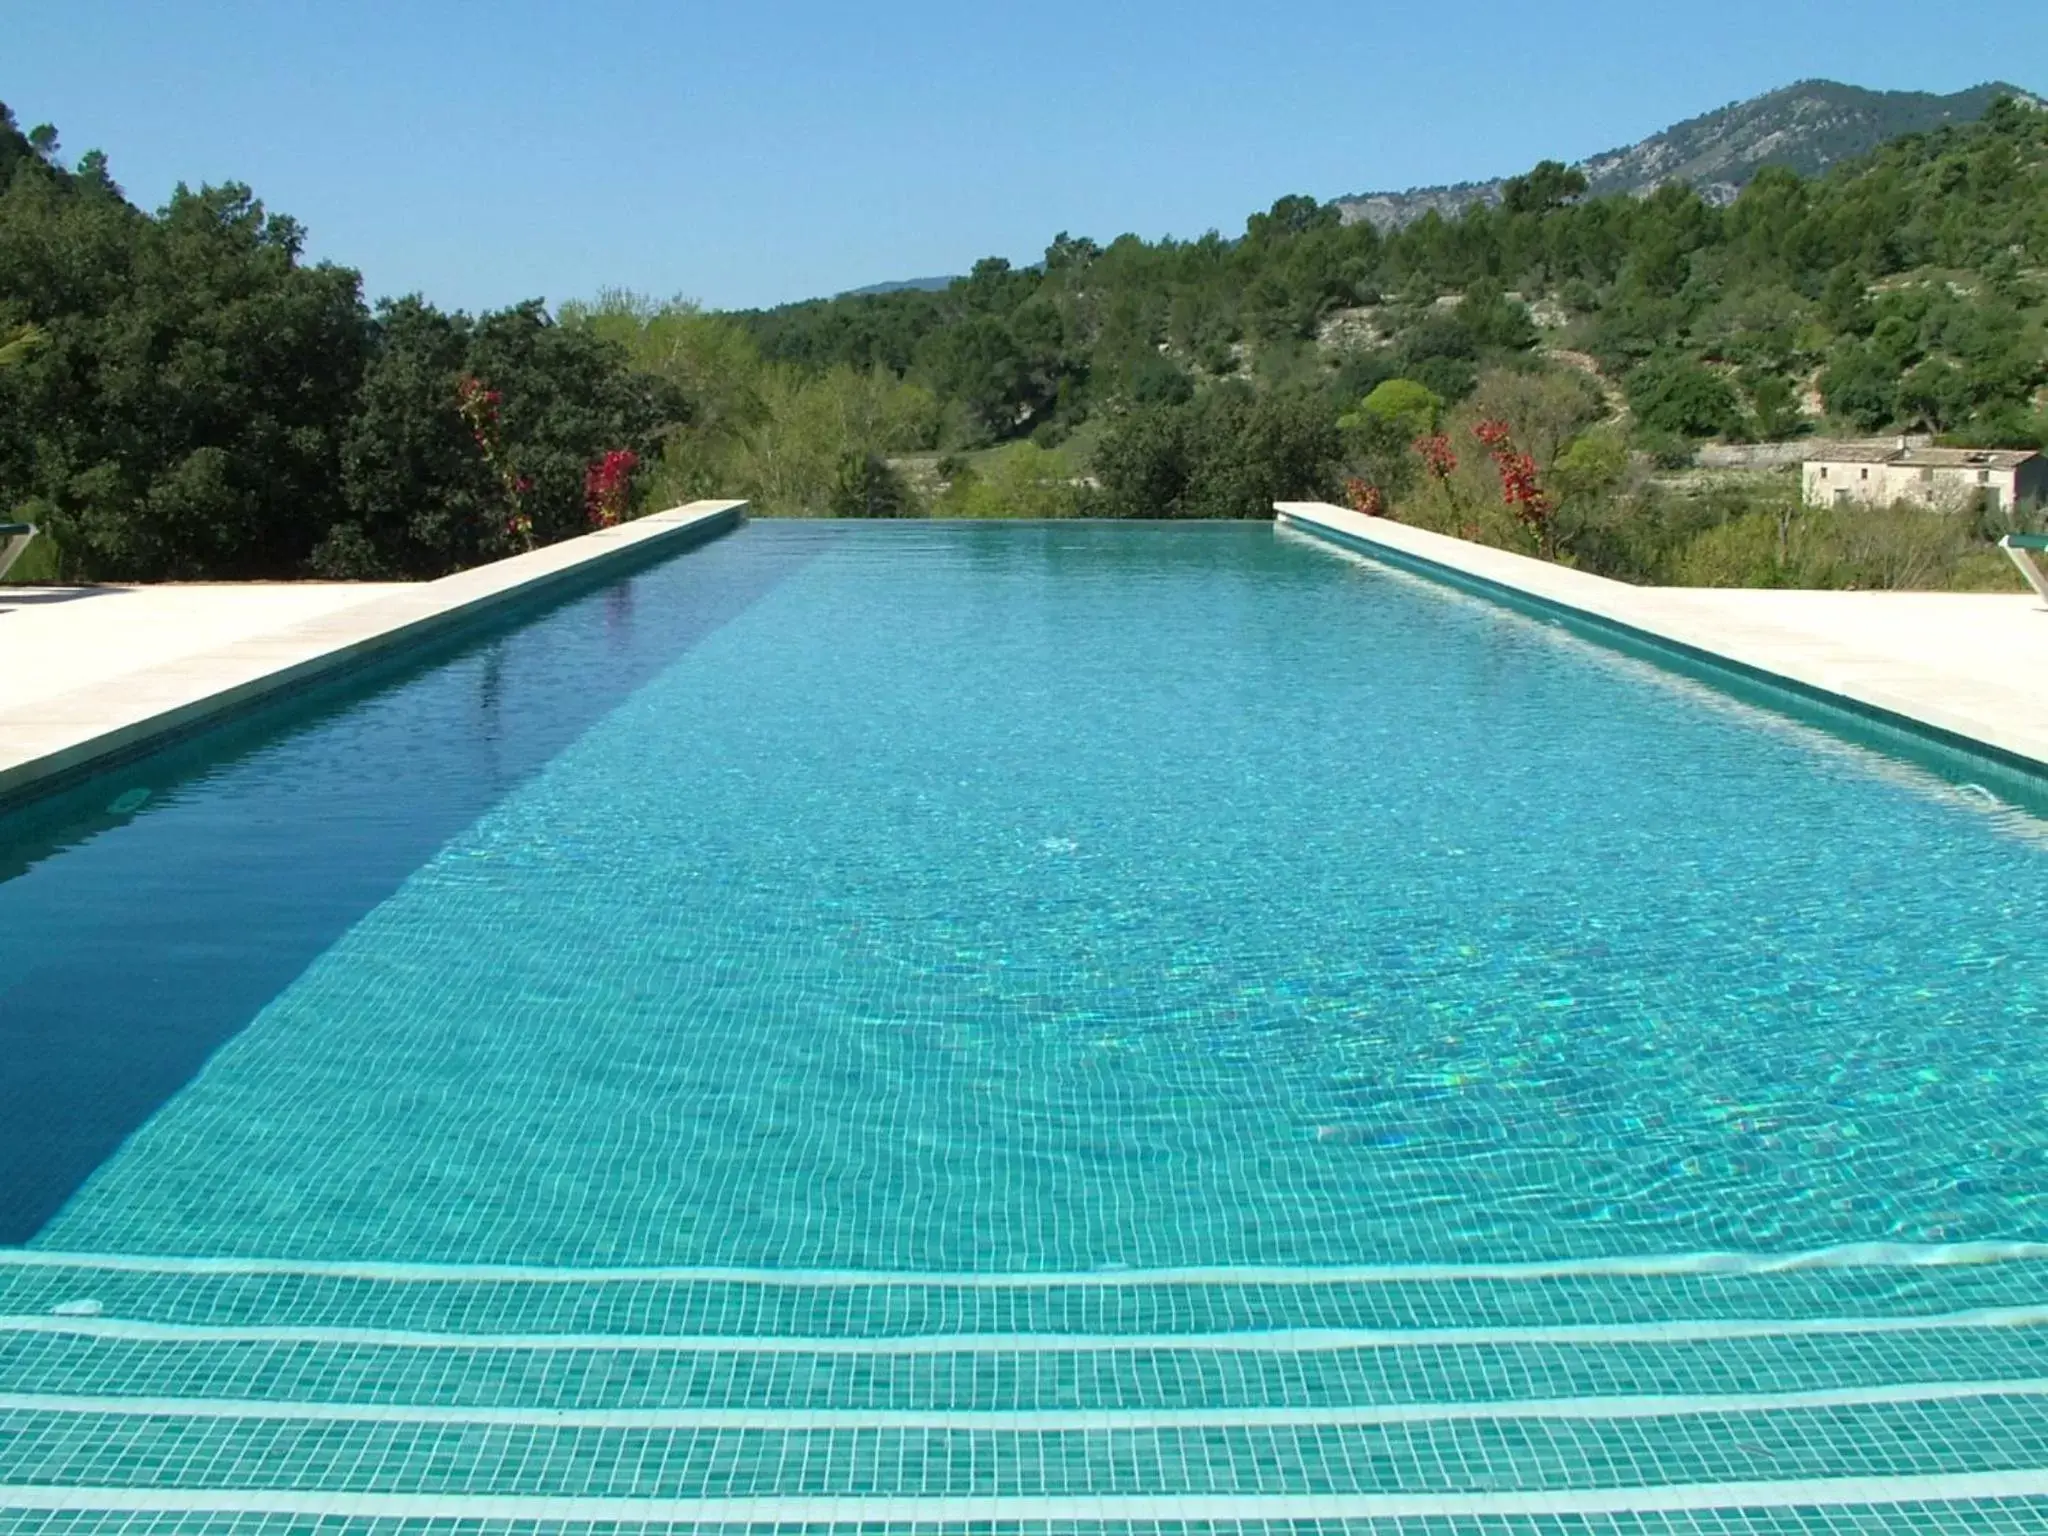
[{"x": 1826, "y": 484}]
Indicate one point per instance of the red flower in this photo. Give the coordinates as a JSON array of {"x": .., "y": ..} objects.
[
  {"x": 608, "y": 487},
  {"x": 1368, "y": 499},
  {"x": 1518, "y": 488},
  {"x": 477, "y": 404},
  {"x": 1436, "y": 454}
]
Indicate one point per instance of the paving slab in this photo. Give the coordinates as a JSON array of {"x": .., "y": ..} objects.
[
  {"x": 64, "y": 640},
  {"x": 1969, "y": 666},
  {"x": 90, "y": 673}
]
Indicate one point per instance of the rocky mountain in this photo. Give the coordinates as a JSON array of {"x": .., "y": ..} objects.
[
  {"x": 1808, "y": 127},
  {"x": 905, "y": 285}
]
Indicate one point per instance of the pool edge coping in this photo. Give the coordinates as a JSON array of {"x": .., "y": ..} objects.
[
  {"x": 49, "y": 742},
  {"x": 1615, "y": 610}
]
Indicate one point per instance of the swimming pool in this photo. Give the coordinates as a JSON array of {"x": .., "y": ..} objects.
[{"x": 1040, "y": 1023}]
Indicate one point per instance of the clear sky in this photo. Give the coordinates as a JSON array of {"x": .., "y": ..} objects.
[{"x": 763, "y": 150}]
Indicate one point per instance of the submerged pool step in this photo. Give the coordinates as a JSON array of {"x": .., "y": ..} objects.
[
  {"x": 853, "y": 1305},
  {"x": 171, "y": 1395},
  {"x": 1764, "y": 1510},
  {"x": 84, "y": 1362},
  {"x": 1566, "y": 1453}
]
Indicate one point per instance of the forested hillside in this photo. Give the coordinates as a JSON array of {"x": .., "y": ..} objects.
[
  {"x": 182, "y": 395},
  {"x": 1809, "y": 127},
  {"x": 1903, "y": 291}
]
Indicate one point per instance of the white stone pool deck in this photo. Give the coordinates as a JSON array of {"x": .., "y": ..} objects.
[
  {"x": 65, "y": 640},
  {"x": 1965, "y": 664},
  {"x": 90, "y": 673}
]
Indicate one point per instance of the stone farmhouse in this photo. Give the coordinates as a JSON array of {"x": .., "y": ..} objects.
[{"x": 1878, "y": 474}]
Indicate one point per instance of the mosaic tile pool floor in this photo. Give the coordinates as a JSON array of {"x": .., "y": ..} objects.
[{"x": 1069, "y": 1030}]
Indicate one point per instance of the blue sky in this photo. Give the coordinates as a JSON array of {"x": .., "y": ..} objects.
[{"x": 750, "y": 153}]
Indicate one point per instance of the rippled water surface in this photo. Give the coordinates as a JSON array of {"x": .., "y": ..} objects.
[{"x": 1021, "y": 897}]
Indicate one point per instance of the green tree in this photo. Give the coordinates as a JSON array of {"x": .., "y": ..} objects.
[
  {"x": 1068, "y": 254},
  {"x": 1774, "y": 406},
  {"x": 1673, "y": 394},
  {"x": 1844, "y": 303},
  {"x": 978, "y": 364},
  {"x": 1860, "y": 386},
  {"x": 1551, "y": 185},
  {"x": 713, "y": 374},
  {"x": 183, "y": 417},
  {"x": 1403, "y": 405},
  {"x": 1590, "y": 466},
  {"x": 1440, "y": 353},
  {"x": 420, "y": 500},
  {"x": 1228, "y": 453},
  {"x": 1153, "y": 379},
  {"x": 1493, "y": 320},
  {"x": 1935, "y": 395},
  {"x": 1297, "y": 214},
  {"x": 1144, "y": 463},
  {"x": 421, "y": 497}
]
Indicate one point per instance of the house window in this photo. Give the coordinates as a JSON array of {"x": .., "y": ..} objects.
[
  {"x": 1865, "y": 475},
  {"x": 1823, "y": 471},
  {"x": 1983, "y": 477}
]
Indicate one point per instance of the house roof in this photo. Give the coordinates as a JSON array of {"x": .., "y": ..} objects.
[
  {"x": 1920, "y": 458},
  {"x": 1966, "y": 458}
]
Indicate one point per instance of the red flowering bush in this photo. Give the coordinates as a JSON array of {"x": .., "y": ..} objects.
[
  {"x": 477, "y": 403},
  {"x": 608, "y": 487},
  {"x": 1368, "y": 499},
  {"x": 1434, "y": 449},
  {"x": 1524, "y": 498}
]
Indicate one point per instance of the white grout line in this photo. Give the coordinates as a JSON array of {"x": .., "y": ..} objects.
[
  {"x": 1811, "y": 1493},
  {"x": 1023, "y": 1421},
  {"x": 1845, "y": 1256},
  {"x": 1273, "y": 1341}
]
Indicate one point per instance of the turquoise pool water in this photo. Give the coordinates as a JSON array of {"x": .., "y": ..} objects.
[{"x": 865, "y": 1003}]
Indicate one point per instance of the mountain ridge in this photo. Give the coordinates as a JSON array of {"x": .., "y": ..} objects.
[
  {"x": 901, "y": 285},
  {"x": 1807, "y": 126}
]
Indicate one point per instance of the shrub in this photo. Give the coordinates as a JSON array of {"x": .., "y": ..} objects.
[
  {"x": 1666, "y": 450},
  {"x": 1860, "y": 386},
  {"x": 1020, "y": 480},
  {"x": 1226, "y": 453},
  {"x": 1680, "y": 397},
  {"x": 1410, "y": 408},
  {"x": 1895, "y": 548},
  {"x": 867, "y": 485}
]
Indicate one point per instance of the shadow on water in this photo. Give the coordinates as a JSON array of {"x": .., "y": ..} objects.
[{"x": 148, "y": 912}]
